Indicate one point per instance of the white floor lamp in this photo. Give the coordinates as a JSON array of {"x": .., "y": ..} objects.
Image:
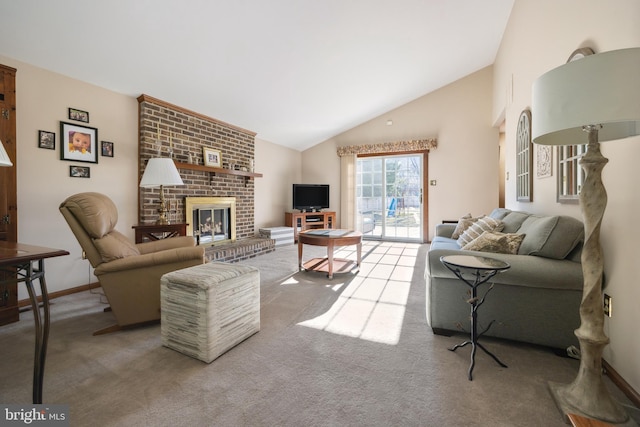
[{"x": 600, "y": 95}]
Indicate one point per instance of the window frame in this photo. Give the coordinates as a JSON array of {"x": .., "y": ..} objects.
[
  {"x": 571, "y": 176},
  {"x": 524, "y": 158}
]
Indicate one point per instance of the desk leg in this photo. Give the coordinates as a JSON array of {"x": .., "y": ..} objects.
[
  {"x": 330, "y": 258},
  {"x": 359, "y": 251},
  {"x": 41, "y": 326},
  {"x": 299, "y": 255}
]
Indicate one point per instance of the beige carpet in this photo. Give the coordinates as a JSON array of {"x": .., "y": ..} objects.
[{"x": 352, "y": 351}]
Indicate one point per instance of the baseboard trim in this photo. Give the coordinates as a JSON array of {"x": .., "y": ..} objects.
[
  {"x": 53, "y": 295},
  {"x": 624, "y": 386}
]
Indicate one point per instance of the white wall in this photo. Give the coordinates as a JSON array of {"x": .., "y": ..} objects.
[
  {"x": 540, "y": 36},
  {"x": 280, "y": 167},
  {"x": 43, "y": 179},
  {"x": 465, "y": 164}
]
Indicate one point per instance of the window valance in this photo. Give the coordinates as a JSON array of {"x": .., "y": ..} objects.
[{"x": 389, "y": 147}]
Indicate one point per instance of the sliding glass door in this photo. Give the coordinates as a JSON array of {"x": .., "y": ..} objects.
[{"x": 389, "y": 197}]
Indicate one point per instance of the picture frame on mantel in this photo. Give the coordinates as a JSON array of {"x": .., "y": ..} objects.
[
  {"x": 78, "y": 143},
  {"x": 212, "y": 157}
]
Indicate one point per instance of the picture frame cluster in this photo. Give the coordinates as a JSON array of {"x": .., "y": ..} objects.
[{"x": 78, "y": 143}]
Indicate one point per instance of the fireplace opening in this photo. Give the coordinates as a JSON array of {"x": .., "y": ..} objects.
[
  {"x": 212, "y": 224},
  {"x": 211, "y": 220}
]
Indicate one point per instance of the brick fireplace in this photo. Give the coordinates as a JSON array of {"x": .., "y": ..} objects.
[{"x": 166, "y": 130}]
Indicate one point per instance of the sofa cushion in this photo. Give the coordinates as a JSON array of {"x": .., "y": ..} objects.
[
  {"x": 440, "y": 242},
  {"x": 537, "y": 230},
  {"x": 551, "y": 236},
  {"x": 463, "y": 223},
  {"x": 499, "y": 213},
  {"x": 514, "y": 220},
  {"x": 483, "y": 224},
  {"x": 496, "y": 242},
  {"x": 564, "y": 238},
  {"x": 114, "y": 246}
]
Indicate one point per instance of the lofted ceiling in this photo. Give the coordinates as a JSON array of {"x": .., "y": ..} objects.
[{"x": 297, "y": 72}]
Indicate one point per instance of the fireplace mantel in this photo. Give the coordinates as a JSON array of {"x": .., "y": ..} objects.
[{"x": 212, "y": 169}]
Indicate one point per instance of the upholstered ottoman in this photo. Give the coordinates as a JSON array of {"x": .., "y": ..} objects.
[{"x": 209, "y": 308}]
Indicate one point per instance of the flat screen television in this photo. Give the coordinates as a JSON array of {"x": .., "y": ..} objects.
[{"x": 307, "y": 197}]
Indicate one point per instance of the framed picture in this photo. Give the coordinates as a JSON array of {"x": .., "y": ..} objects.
[
  {"x": 211, "y": 157},
  {"x": 79, "y": 172},
  {"x": 107, "y": 148},
  {"x": 545, "y": 160},
  {"x": 46, "y": 140},
  {"x": 78, "y": 143},
  {"x": 78, "y": 115}
]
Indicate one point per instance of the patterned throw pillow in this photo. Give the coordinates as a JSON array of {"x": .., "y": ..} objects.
[
  {"x": 496, "y": 242},
  {"x": 463, "y": 223},
  {"x": 486, "y": 223}
]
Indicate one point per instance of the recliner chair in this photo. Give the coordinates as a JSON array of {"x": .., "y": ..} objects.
[{"x": 128, "y": 273}]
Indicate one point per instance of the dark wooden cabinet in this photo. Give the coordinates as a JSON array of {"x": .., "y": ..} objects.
[{"x": 8, "y": 190}]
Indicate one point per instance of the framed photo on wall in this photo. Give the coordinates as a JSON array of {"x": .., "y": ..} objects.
[
  {"x": 46, "y": 140},
  {"x": 79, "y": 172},
  {"x": 79, "y": 115},
  {"x": 107, "y": 148},
  {"x": 78, "y": 143}
]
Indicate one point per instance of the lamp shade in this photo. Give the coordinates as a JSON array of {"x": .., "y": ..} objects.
[
  {"x": 4, "y": 157},
  {"x": 160, "y": 171},
  {"x": 601, "y": 89}
]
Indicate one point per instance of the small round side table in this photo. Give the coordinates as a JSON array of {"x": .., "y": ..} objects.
[{"x": 474, "y": 271}]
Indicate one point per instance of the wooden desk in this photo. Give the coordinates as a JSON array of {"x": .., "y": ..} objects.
[
  {"x": 580, "y": 421},
  {"x": 18, "y": 259},
  {"x": 151, "y": 232},
  {"x": 331, "y": 239}
]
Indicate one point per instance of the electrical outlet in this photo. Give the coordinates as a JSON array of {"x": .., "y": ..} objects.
[{"x": 607, "y": 305}]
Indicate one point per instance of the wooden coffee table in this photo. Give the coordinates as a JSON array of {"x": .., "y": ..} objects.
[{"x": 331, "y": 239}]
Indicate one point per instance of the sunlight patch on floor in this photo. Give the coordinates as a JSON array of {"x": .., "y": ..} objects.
[{"x": 372, "y": 305}]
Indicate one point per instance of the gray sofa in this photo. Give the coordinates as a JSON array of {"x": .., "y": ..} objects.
[{"x": 536, "y": 301}]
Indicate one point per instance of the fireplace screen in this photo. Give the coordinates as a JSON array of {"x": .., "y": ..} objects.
[
  {"x": 212, "y": 225},
  {"x": 212, "y": 219}
]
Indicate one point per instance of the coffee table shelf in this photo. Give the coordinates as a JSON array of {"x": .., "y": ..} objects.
[{"x": 330, "y": 238}]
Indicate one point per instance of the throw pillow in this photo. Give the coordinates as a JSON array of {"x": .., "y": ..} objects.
[
  {"x": 477, "y": 228},
  {"x": 114, "y": 246},
  {"x": 496, "y": 242},
  {"x": 463, "y": 223}
]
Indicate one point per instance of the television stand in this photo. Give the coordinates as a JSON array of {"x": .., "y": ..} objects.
[{"x": 301, "y": 221}]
